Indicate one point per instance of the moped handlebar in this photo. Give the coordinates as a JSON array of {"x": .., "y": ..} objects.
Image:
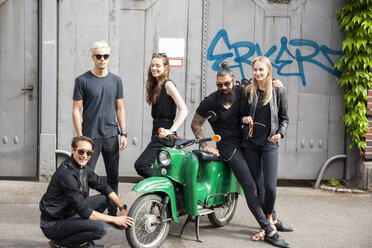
[
  {"x": 203, "y": 140},
  {"x": 214, "y": 138},
  {"x": 188, "y": 142}
]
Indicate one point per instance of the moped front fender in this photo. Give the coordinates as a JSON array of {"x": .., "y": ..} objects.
[{"x": 159, "y": 184}]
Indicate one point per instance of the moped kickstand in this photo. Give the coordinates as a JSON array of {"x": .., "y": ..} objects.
[{"x": 197, "y": 223}]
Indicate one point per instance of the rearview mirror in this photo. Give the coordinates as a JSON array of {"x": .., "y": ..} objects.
[{"x": 211, "y": 116}]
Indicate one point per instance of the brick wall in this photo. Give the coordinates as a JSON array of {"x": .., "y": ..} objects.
[{"x": 368, "y": 153}]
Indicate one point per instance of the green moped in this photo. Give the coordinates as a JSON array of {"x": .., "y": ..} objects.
[{"x": 193, "y": 183}]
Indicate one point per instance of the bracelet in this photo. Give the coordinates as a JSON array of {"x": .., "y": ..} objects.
[{"x": 123, "y": 133}]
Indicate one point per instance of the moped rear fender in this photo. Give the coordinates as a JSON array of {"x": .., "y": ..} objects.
[{"x": 159, "y": 184}]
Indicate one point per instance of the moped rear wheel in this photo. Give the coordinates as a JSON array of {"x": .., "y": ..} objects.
[
  {"x": 224, "y": 213},
  {"x": 146, "y": 231}
]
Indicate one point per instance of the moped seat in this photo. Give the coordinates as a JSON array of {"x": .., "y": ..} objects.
[{"x": 203, "y": 155}]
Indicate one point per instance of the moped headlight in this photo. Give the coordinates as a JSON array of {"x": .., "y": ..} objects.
[{"x": 164, "y": 159}]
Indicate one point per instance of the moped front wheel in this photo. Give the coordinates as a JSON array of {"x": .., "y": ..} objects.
[
  {"x": 224, "y": 213},
  {"x": 147, "y": 230}
]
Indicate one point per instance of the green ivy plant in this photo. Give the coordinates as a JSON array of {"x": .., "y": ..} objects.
[
  {"x": 355, "y": 18},
  {"x": 334, "y": 182}
]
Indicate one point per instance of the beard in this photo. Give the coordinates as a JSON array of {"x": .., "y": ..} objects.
[{"x": 226, "y": 96}]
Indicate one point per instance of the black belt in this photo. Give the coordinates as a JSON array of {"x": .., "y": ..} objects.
[{"x": 162, "y": 120}]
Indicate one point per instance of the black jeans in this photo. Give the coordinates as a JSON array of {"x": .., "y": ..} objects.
[
  {"x": 263, "y": 164},
  {"x": 110, "y": 152},
  {"x": 242, "y": 173},
  {"x": 75, "y": 230},
  {"x": 143, "y": 164}
]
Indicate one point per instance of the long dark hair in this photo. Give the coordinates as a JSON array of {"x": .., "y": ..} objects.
[{"x": 153, "y": 85}]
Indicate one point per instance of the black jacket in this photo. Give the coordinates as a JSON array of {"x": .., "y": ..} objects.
[
  {"x": 68, "y": 189},
  {"x": 278, "y": 108}
]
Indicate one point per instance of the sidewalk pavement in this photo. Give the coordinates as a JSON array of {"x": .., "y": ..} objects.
[{"x": 320, "y": 219}]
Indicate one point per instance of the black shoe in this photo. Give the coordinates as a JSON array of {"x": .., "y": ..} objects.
[
  {"x": 90, "y": 244},
  {"x": 53, "y": 244},
  {"x": 281, "y": 228},
  {"x": 117, "y": 226},
  {"x": 93, "y": 245},
  {"x": 276, "y": 240}
]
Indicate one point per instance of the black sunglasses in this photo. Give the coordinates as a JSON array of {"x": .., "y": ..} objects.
[
  {"x": 226, "y": 84},
  {"x": 81, "y": 152},
  {"x": 99, "y": 56}
]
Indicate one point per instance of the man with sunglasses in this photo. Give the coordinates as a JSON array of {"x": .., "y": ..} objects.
[
  {"x": 225, "y": 102},
  {"x": 69, "y": 217},
  {"x": 99, "y": 93}
]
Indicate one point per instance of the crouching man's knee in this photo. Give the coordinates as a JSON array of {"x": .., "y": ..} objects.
[{"x": 101, "y": 230}]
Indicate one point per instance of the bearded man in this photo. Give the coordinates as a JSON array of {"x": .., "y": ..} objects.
[{"x": 225, "y": 102}]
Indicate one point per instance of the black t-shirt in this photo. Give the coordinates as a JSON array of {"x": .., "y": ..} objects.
[
  {"x": 99, "y": 96},
  {"x": 227, "y": 124},
  {"x": 165, "y": 107},
  {"x": 164, "y": 111},
  {"x": 262, "y": 117}
]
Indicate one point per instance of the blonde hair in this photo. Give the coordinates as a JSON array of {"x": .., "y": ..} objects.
[
  {"x": 252, "y": 88},
  {"x": 99, "y": 44}
]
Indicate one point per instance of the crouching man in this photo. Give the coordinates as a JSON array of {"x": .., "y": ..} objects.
[{"x": 69, "y": 217}]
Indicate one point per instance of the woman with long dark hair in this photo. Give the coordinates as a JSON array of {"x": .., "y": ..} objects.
[{"x": 164, "y": 98}]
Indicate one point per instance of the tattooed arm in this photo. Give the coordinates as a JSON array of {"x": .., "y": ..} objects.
[{"x": 196, "y": 124}]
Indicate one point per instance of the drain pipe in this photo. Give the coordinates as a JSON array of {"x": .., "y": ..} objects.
[
  {"x": 204, "y": 49},
  {"x": 63, "y": 152},
  {"x": 331, "y": 159}
]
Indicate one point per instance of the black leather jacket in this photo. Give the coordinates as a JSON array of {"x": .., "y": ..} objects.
[
  {"x": 278, "y": 109},
  {"x": 68, "y": 189}
]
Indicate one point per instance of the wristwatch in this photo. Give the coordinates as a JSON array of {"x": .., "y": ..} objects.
[
  {"x": 123, "y": 207},
  {"x": 123, "y": 133}
]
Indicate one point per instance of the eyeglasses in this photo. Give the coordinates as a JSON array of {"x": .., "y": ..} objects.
[
  {"x": 81, "y": 152},
  {"x": 226, "y": 84},
  {"x": 99, "y": 56}
]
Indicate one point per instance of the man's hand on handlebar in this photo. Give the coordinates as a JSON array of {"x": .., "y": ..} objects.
[{"x": 212, "y": 150}]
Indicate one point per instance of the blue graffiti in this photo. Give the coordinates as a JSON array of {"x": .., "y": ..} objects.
[{"x": 242, "y": 52}]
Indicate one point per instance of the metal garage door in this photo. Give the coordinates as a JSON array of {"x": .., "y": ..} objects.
[{"x": 18, "y": 88}]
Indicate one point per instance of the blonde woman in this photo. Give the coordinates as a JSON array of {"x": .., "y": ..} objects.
[{"x": 265, "y": 115}]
